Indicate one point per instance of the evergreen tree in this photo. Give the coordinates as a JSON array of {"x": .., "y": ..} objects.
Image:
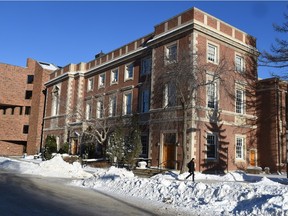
[{"x": 115, "y": 145}]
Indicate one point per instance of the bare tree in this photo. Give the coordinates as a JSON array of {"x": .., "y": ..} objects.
[
  {"x": 181, "y": 81},
  {"x": 94, "y": 115},
  {"x": 278, "y": 55}
]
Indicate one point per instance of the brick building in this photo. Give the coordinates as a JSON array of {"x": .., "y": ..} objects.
[
  {"x": 21, "y": 106},
  {"x": 220, "y": 127},
  {"x": 272, "y": 123}
]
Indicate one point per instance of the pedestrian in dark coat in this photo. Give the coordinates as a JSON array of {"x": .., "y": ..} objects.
[{"x": 191, "y": 167}]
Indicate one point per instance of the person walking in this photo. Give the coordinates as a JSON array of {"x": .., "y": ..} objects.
[{"x": 191, "y": 167}]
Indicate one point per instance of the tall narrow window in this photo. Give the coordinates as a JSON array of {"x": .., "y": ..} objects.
[
  {"x": 90, "y": 84},
  {"x": 127, "y": 103},
  {"x": 100, "y": 109},
  {"x": 170, "y": 95},
  {"x": 212, "y": 53},
  {"x": 128, "y": 71},
  {"x": 146, "y": 66},
  {"x": 112, "y": 106},
  {"x": 88, "y": 111},
  {"x": 30, "y": 79},
  {"x": 144, "y": 141},
  {"x": 239, "y": 63},
  {"x": 239, "y": 101},
  {"x": 171, "y": 53},
  {"x": 239, "y": 148},
  {"x": 101, "y": 83},
  {"x": 55, "y": 100},
  {"x": 114, "y": 76},
  {"x": 145, "y": 101},
  {"x": 211, "y": 146},
  {"x": 211, "y": 95}
]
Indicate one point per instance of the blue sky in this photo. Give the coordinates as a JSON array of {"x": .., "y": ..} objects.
[{"x": 72, "y": 32}]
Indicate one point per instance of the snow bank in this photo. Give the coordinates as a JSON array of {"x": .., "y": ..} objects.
[
  {"x": 56, "y": 167},
  {"x": 231, "y": 194},
  {"x": 235, "y": 193}
]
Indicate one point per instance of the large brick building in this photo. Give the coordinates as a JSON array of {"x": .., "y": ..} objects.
[
  {"x": 192, "y": 84},
  {"x": 220, "y": 124},
  {"x": 21, "y": 106}
]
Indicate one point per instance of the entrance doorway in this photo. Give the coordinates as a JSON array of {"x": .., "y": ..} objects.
[
  {"x": 169, "y": 151},
  {"x": 74, "y": 146},
  {"x": 253, "y": 157}
]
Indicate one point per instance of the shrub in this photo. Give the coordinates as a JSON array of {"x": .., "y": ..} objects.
[{"x": 50, "y": 146}]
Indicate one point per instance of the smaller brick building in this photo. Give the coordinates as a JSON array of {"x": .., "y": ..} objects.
[
  {"x": 272, "y": 123},
  {"x": 21, "y": 106}
]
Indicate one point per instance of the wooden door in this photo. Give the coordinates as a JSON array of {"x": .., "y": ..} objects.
[
  {"x": 252, "y": 158},
  {"x": 74, "y": 146},
  {"x": 169, "y": 156}
]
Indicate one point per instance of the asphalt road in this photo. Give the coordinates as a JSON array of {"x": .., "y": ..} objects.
[{"x": 27, "y": 195}]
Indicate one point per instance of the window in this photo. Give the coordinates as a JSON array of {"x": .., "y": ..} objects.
[
  {"x": 28, "y": 94},
  {"x": 145, "y": 101},
  {"x": 239, "y": 148},
  {"x": 171, "y": 53},
  {"x": 212, "y": 53},
  {"x": 144, "y": 141},
  {"x": 239, "y": 101},
  {"x": 239, "y": 63},
  {"x": 25, "y": 129},
  {"x": 101, "y": 83},
  {"x": 146, "y": 66},
  {"x": 114, "y": 76},
  {"x": 100, "y": 109},
  {"x": 112, "y": 106},
  {"x": 30, "y": 79},
  {"x": 211, "y": 146},
  {"x": 129, "y": 71},
  {"x": 90, "y": 84},
  {"x": 170, "y": 95},
  {"x": 27, "y": 110},
  {"x": 88, "y": 111},
  {"x": 127, "y": 103},
  {"x": 211, "y": 95},
  {"x": 55, "y": 100}
]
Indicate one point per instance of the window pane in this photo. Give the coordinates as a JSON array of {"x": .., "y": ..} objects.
[
  {"x": 144, "y": 141},
  {"x": 28, "y": 95},
  {"x": 30, "y": 79},
  {"x": 239, "y": 101},
  {"x": 211, "y": 146},
  {"x": 146, "y": 66},
  {"x": 211, "y": 94},
  {"x": 239, "y": 63},
  {"x": 212, "y": 53},
  {"x": 239, "y": 148},
  {"x": 145, "y": 101},
  {"x": 128, "y": 104}
]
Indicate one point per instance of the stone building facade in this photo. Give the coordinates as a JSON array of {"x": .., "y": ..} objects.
[{"x": 220, "y": 122}]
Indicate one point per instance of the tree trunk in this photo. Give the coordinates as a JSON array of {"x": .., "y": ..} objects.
[{"x": 184, "y": 142}]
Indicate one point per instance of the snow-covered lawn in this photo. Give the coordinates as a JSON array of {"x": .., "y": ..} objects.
[{"x": 235, "y": 193}]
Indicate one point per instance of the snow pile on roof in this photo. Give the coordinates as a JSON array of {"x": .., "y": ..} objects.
[
  {"x": 56, "y": 167},
  {"x": 209, "y": 195},
  {"x": 48, "y": 66}
]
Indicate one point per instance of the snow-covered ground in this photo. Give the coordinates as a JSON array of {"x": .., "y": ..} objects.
[{"x": 235, "y": 193}]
